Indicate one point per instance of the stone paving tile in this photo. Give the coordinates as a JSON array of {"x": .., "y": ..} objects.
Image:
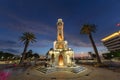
[{"x": 91, "y": 74}]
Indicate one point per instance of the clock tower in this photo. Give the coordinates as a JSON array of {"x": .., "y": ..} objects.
[{"x": 61, "y": 54}]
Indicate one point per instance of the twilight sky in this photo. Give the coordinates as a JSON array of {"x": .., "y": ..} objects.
[{"x": 40, "y": 17}]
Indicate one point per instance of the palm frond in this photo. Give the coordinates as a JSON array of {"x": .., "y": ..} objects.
[
  {"x": 27, "y": 36},
  {"x": 88, "y": 28}
]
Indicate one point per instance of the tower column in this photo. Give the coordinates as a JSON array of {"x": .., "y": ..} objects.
[{"x": 60, "y": 35}]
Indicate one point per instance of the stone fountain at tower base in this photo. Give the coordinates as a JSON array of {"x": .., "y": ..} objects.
[{"x": 76, "y": 69}]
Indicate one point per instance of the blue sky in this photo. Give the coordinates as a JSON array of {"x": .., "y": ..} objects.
[{"x": 40, "y": 17}]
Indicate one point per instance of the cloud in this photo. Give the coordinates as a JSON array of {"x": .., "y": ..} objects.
[
  {"x": 42, "y": 43},
  {"x": 9, "y": 46},
  {"x": 7, "y": 43},
  {"x": 76, "y": 41},
  {"x": 45, "y": 32},
  {"x": 22, "y": 25},
  {"x": 11, "y": 50}
]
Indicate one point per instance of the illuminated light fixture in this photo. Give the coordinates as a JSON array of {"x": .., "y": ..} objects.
[{"x": 111, "y": 36}]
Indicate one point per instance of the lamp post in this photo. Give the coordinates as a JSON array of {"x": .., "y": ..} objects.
[
  {"x": 2, "y": 57},
  {"x": 112, "y": 57}
]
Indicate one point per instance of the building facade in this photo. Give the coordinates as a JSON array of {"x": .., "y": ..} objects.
[{"x": 112, "y": 42}]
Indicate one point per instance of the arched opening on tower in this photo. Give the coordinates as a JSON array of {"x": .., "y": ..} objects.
[
  {"x": 53, "y": 58},
  {"x": 61, "y": 60}
]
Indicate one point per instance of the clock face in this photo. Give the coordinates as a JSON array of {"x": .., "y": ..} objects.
[{"x": 59, "y": 24}]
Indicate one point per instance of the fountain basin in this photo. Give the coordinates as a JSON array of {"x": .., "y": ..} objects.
[{"x": 76, "y": 69}]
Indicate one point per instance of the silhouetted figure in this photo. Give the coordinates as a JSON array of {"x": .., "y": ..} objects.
[{"x": 45, "y": 64}]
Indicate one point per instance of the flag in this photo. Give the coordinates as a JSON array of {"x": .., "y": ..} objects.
[{"x": 118, "y": 24}]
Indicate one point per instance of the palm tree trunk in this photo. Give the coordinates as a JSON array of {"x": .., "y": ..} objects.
[
  {"x": 95, "y": 49},
  {"x": 24, "y": 52}
]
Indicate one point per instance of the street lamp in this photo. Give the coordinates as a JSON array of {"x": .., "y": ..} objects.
[{"x": 2, "y": 57}]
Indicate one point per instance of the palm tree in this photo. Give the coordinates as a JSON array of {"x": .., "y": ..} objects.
[
  {"x": 27, "y": 37},
  {"x": 88, "y": 29}
]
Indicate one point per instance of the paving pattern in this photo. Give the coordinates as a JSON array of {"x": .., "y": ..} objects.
[
  {"x": 92, "y": 73},
  {"x": 76, "y": 69}
]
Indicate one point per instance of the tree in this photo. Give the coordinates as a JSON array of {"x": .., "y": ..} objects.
[
  {"x": 29, "y": 54},
  {"x": 36, "y": 57},
  {"x": 88, "y": 29},
  {"x": 6, "y": 55},
  {"x": 92, "y": 55},
  {"x": 27, "y": 37}
]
